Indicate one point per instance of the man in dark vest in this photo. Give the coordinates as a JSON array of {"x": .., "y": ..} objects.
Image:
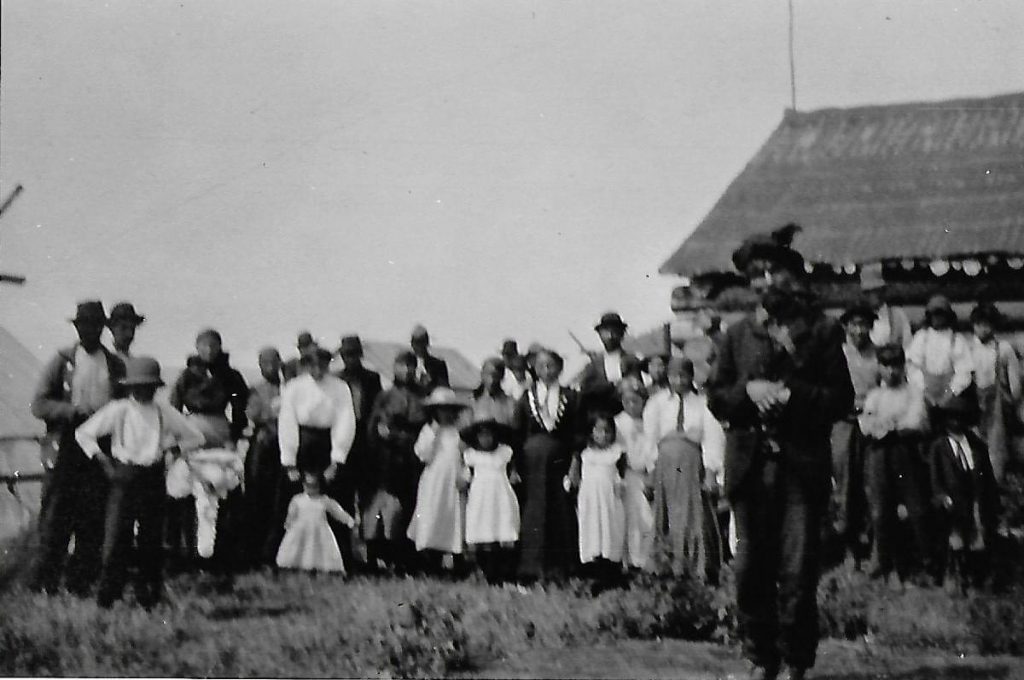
[
  {"x": 431, "y": 371},
  {"x": 75, "y": 384},
  {"x": 778, "y": 384},
  {"x": 600, "y": 379}
]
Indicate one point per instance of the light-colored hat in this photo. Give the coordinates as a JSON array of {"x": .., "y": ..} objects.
[
  {"x": 443, "y": 397},
  {"x": 142, "y": 371}
]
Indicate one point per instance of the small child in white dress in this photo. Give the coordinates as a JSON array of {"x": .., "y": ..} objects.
[
  {"x": 309, "y": 543},
  {"x": 492, "y": 509},
  {"x": 601, "y": 515}
]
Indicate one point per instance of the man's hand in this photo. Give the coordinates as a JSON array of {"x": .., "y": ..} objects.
[
  {"x": 780, "y": 334},
  {"x": 293, "y": 473},
  {"x": 331, "y": 472},
  {"x": 764, "y": 394},
  {"x": 383, "y": 430}
]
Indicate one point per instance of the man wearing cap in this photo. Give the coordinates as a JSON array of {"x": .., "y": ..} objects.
[
  {"x": 140, "y": 430},
  {"x": 365, "y": 385},
  {"x": 778, "y": 384},
  {"x": 303, "y": 343},
  {"x": 122, "y": 324},
  {"x": 76, "y": 383},
  {"x": 431, "y": 371},
  {"x": 849, "y": 503},
  {"x": 510, "y": 383},
  {"x": 939, "y": 358},
  {"x": 601, "y": 377}
]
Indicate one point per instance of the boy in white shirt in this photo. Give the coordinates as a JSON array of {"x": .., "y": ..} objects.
[
  {"x": 140, "y": 430},
  {"x": 893, "y": 422}
]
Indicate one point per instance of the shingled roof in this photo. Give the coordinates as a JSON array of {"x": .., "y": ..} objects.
[{"x": 921, "y": 180}]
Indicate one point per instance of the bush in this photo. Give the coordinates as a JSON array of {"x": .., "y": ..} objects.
[
  {"x": 844, "y": 603},
  {"x": 997, "y": 622}
]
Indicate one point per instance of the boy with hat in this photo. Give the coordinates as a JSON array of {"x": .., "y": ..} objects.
[
  {"x": 76, "y": 383},
  {"x": 964, "y": 492},
  {"x": 894, "y": 421},
  {"x": 938, "y": 359},
  {"x": 140, "y": 430},
  {"x": 123, "y": 322},
  {"x": 849, "y": 511}
]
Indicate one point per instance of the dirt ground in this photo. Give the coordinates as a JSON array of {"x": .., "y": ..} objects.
[{"x": 700, "y": 661}]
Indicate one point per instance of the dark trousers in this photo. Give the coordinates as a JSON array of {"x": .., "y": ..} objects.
[
  {"x": 74, "y": 499},
  {"x": 137, "y": 494},
  {"x": 895, "y": 476},
  {"x": 263, "y": 480},
  {"x": 849, "y": 506},
  {"x": 778, "y": 521}
]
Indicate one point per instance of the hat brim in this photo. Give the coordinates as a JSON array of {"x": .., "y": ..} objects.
[
  {"x": 138, "y": 320},
  {"x": 136, "y": 382},
  {"x": 99, "y": 319},
  {"x": 502, "y": 432},
  {"x": 611, "y": 324},
  {"x": 446, "y": 404}
]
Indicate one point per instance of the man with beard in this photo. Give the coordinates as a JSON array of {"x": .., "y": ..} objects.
[
  {"x": 778, "y": 384},
  {"x": 600, "y": 379}
]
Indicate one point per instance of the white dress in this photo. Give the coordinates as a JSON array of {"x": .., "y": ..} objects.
[
  {"x": 639, "y": 516},
  {"x": 602, "y": 519},
  {"x": 437, "y": 521},
  {"x": 308, "y": 542},
  {"x": 492, "y": 510}
]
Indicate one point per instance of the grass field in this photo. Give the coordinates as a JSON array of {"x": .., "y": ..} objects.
[{"x": 297, "y": 625}]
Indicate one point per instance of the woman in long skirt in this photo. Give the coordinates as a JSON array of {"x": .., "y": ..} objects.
[{"x": 548, "y": 418}]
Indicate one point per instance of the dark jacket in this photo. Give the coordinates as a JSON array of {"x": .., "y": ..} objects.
[
  {"x": 436, "y": 375},
  {"x": 821, "y": 393},
  {"x": 392, "y": 464},
  {"x": 212, "y": 391},
  {"x": 949, "y": 478},
  {"x": 599, "y": 393},
  {"x": 52, "y": 400},
  {"x": 365, "y": 385}
]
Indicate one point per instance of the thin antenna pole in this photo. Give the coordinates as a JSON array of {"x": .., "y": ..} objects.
[{"x": 792, "y": 61}]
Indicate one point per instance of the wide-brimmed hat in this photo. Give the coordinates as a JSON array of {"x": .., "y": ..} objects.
[
  {"x": 351, "y": 344},
  {"x": 611, "y": 320},
  {"x": 859, "y": 308},
  {"x": 90, "y": 310},
  {"x": 502, "y": 432},
  {"x": 444, "y": 397},
  {"x": 142, "y": 371},
  {"x": 125, "y": 311}
]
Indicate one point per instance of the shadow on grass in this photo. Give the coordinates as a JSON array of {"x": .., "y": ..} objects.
[
  {"x": 959, "y": 672},
  {"x": 230, "y": 612}
]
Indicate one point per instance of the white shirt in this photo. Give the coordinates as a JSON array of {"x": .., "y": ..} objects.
[
  {"x": 660, "y": 417},
  {"x": 891, "y": 326},
  {"x": 511, "y": 385},
  {"x": 893, "y": 408},
  {"x": 139, "y": 432},
  {"x": 547, "y": 403},
  {"x": 936, "y": 352},
  {"x": 962, "y": 450},
  {"x": 988, "y": 357},
  {"x": 613, "y": 366},
  {"x": 326, "y": 403},
  {"x": 629, "y": 433},
  {"x": 90, "y": 382}
]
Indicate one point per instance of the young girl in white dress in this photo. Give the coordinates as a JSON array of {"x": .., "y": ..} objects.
[
  {"x": 309, "y": 543},
  {"x": 601, "y": 516},
  {"x": 437, "y": 523},
  {"x": 492, "y": 510}
]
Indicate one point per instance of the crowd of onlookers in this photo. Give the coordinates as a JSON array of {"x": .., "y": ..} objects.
[{"x": 794, "y": 433}]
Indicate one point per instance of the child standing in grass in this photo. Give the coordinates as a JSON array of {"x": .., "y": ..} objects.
[
  {"x": 140, "y": 430},
  {"x": 309, "y": 543},
  {"x": 629, "y": 426},
  {"x": 601, "y": 516},
  {"x": 437, "y": 522},
  {"x": 492, "y": 510}
]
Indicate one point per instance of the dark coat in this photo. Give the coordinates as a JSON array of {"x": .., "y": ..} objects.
[
  {"x": 51, "y": 402},
  {"x": 599, "y": 393},
  {"x": 821, "y": 393},
  {"x": 392, "y": 464},
  {"x": 948, "y": 478},
  {"x": 212, "y": 392},
  {"x": 365, "y": 386},
  {"x": 436, "y": 375}
]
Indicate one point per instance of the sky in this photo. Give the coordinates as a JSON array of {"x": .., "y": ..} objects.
[{"x": 488, "y": 169}]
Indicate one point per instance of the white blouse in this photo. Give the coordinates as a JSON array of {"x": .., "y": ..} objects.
[
  {"x": 935, "y": 352},
  {"x": 327, "y": 404},
  {"x": 661, "y": 414}
]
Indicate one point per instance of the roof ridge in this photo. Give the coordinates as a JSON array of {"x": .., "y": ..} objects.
[{"x": 958, "y": 102}]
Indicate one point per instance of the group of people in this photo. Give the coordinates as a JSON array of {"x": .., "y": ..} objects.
[{"x": 805, "y": 430}]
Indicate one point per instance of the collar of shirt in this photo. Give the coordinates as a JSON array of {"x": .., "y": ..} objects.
[
  {"x": 613, "y": 366},
  {"x": 962, "y": 449}
]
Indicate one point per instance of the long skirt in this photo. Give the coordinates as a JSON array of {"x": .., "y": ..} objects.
[
  {"x": 548, "y": 545},
  {"x": 685, "y": 523},
  {"x": 992, "y": 426}
]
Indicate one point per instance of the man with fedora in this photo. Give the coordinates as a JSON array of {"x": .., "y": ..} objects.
[
  {"x": 601, "y": 377},
  {"x": 122, "y": 324},
  {"x": 431, "y": 371},
  {"x": 76, "y": 383},
  {"x": 849, "y": 501},
  {"x": 140, "y": 429},
  {"x": 778, "y": 383},
  {"x": 510, "y": 382},
  {"x": 303, "y": 343}
]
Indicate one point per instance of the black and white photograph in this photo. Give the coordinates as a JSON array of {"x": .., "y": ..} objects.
[{"x": 678, "y": 339}]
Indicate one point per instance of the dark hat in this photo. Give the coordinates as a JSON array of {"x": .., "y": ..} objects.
[
  {"x": 420, "y": 333},
  {"x": 351, "y": 344},
  {"x": 859, "y": 308},
  {"x": 987, "y": 312},
  {"x": 91, "y": 310},
  {"x": 775, "y": 246},
  {"x": 444, "y": 397},
  {"x": 611, "y": 320},
  {"x": 939, "y": 303},
  {"x": 502, "y": 432},
  {"x": 509, "y": 348},
  {"x": 142, "y": 371},
  {"x": 314, "y": 352},
  {"x": 125, "y": 311},
  {"x": 956, "y": 405},
  {"x": 304, "y": 340}
]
